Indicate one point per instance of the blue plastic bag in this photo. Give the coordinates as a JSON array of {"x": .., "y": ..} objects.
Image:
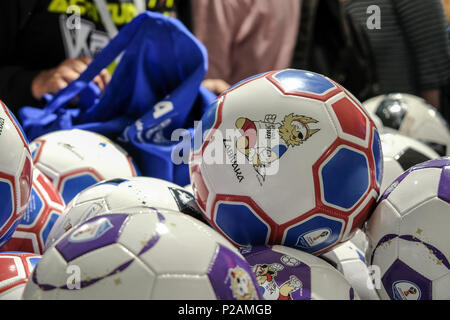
[{"x": 155, "y": 89}]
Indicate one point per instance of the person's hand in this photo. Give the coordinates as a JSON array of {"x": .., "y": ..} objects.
[
  {"x": 215, "y": 85},
  {"x": 53, "y": 80}
]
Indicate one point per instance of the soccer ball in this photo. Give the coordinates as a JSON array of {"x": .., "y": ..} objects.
[
  {"x": 401, "y": 153},
  {"x": 15, "y": 269},
  {"x": 76, "y": 159},
  {"x": 413, "y": 117},
  {"x": 121, "y": 194},
  {"x": 288, "y": 274},
  {"x": 16, "y": 172},
  {"x": 351, "y": 262},
  {"x": 44, "y": 208},
  {"x": 289, "y": 157},
  {"x": 164, "y": 255},
  {"x": 408, "y": 234}
]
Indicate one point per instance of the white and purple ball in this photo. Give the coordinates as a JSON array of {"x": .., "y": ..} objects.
[
  {"x": 163, "y": 255},
  {"x": 285, "y": 273},
  {"x": 408, "y": 234}
]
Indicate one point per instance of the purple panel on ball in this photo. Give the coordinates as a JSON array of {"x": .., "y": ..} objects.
[
  {"x": 352, "y": 294},
  {"x": 436, "y": 163},
  {"x": 231, "y": 277},
  {"x": 280, "y": 276},
  {"x": 93, "y": 234},
  {"x": 401, "y": 282},
  {"x": 444, "y": 184}
]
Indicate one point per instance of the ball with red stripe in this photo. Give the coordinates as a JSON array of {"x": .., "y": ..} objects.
[
  {"x": 15, "y": 269},
  {"x": 286, "y": 157},
  {"x": 76, "y": 159},
  {"x": 44, "y": 208},
  {"x": 16, "y": 169}
]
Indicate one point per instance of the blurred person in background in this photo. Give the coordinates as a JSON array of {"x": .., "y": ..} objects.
[
  {"x": 411, "y": 47},
  {"x": 447, "y": 9},
  {"x": 245, "y": 37},
  {"x": 44, "y": 45}
]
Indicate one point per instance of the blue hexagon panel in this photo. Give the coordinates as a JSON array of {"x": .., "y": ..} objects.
[
  {"x": 74, "y": 185},
  {"x": 314, "y": 234},
  {"x": 6, "y": 197},
  {"x": 49, "y": 225},
  {"x": 241, "y": 224},
  {"x": 345, "y": 178},
  {"x": 378, "y": 156},
  {"x": 8, "y": 234},
  {"x": 35, "y": 205},
  {"x": 304, "y": 81}
]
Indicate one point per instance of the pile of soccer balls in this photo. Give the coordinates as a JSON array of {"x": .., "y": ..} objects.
[{"x": 298, "y": 191}]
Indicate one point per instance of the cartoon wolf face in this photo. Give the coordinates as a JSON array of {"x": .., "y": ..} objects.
[
  {"x": 242, "y": 285},
  {"x": 294, "y": 129}
]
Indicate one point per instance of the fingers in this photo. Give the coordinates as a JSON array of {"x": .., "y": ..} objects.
[
  {"x": 53, "y": 80},
  {"x": 78, "y": 65},
  {"x": 67, "y": 74},
  {"x": 216, "y": 85},
  {"x": 106, "y": 77},
  {"x": 102, "y": 79},
  {"x": 57, "y": 84},
  {"x": 71, "y": 69}
]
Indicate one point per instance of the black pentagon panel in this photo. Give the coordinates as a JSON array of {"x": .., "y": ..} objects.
[
  {"x": 186, "y": 203},
  {"x": 439, "y": 148},
  {"x": 410, "y": 157},
  {"x": 391, "y": 112}
]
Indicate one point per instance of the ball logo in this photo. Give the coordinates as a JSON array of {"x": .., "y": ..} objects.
[
  {"x": 91, "y": 230},
  {"x": 406, "y": 290},
  {"x": 263, "y": 142},
  {"x": 313, "y": 238},
  {"x": 241, "y": 284}
]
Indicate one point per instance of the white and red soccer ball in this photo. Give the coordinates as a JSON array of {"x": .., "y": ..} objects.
[
  {"x": 302, "y": 167},
  {"x": 76, "y": 159},
  {"x": 15, "y": 269},
  {"x": 44, "y": 208},
  {"x": 408, "y": 234},
  {"x": 16, "y": 169}
]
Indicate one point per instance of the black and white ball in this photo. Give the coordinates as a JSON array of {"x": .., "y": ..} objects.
[
  {"x": 413, "y": 117},
  {"x": 401, "y": 153}
]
